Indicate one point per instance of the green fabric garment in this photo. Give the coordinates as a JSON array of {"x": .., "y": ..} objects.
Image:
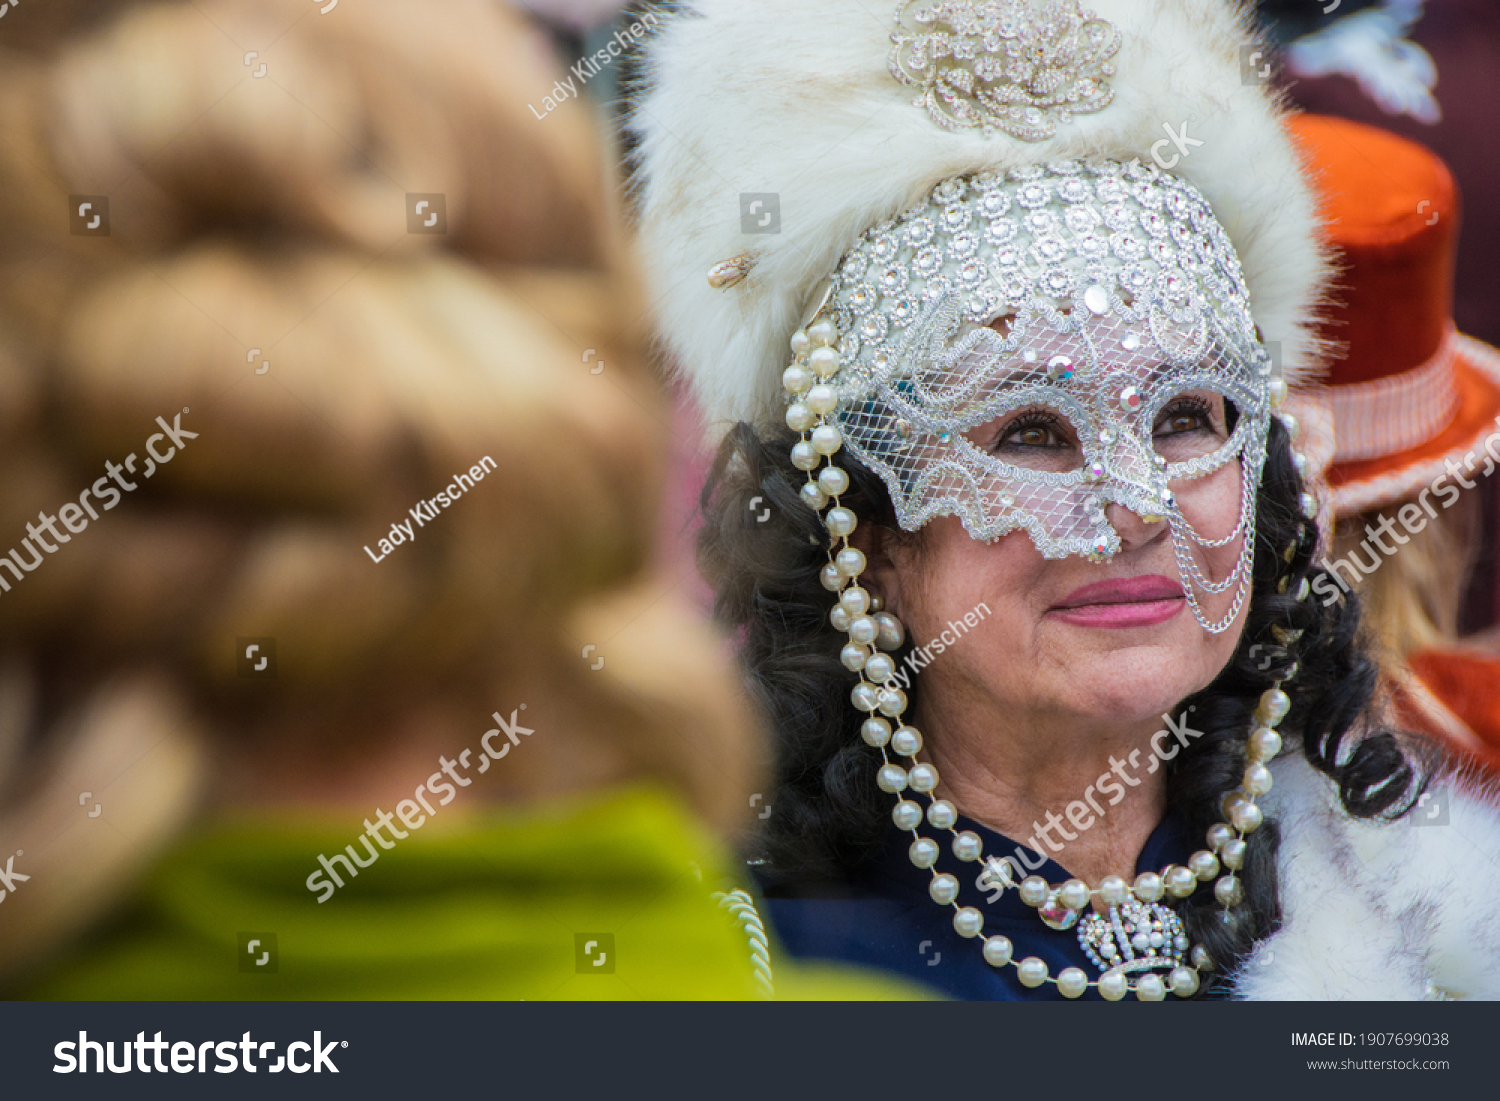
[{"x": 468, "y": 908}]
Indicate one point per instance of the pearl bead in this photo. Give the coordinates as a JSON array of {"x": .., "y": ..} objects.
[
  {"x": 821, "y": 399},
  {"x": 875, "y": 731},
  {"x": 1273, "y": 707},
  {"x": 1218, "y": 835},
  {"x": 796, "y": 378},
  {"x": 907, "y": 742},
  {"x": 1257, "y": 779},
  {"x": 1289, "y": 422},
  {"x": 1179, "y": 881},
  {"x": 923, "y": 852},
  {"x": 1074, "y": 894},
  {"x": 967, "y": 922},
  {"x": 799, "y": 418},
  {"x": 824, "y": 361},
  {"x": 1247, "y": 818},
  {"x": 879, "y": 669},
  {"x": 1113, "y": 986},
  {"x": 826, "y": 439},
  {"x": 1233, "y": 854},
  {"x": 1034, "y": 890},
  {"x": 876, "y": 604},
  {"x": 803, "y": 455},
  {"x": 1231, "y": 801},
  {"x": 1183, "y": 981},
  {"x": 1112, "y": 890},
  {"x": 942, "y": 814},
  {"x": 1278, "y": 392},
  {"x": 997, "y": 951},
  {"x": 853, "y": 657},
  {"x": 1201, "y": 959},
  {"x": 1228, "y": 891},
  {"x": 1032, "y": 972},
  {"x": 822, "y": 332},
  {"x": 855, "y": 601},
  {"x": 814, "y": 497},
  {"x": 861, "y": 629},
  {"x": 1150, "y": 988},
  {"x": 924, "y": 778},
  {"x": 967, "y": 846},
  {"x": 850, "y": 561},
  {"x": 800, "y": 342},
  {"x": 943, "y": 889},
  {"x": 892, "y": 633},
  {"x": 1264, "y": 744},
  {"x": 907, "y": 815},
  {"x": 833, "y": 480},
  {"x": 832, "y": 580},
  {"x": 1204, "y": 865},
  {"x": 892, "y": 700},
  {"x": 1147, "y": 887},
  {"x": 839, "y": 521},
  {"x": 1072, "y": 983},
  {"x": 862, "y": 696},
  {"x": 839, "y": 618},
  {"x": 891, "y": 778}
]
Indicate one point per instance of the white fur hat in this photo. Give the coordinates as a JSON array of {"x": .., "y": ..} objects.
[{"x": 795, "y": 98}]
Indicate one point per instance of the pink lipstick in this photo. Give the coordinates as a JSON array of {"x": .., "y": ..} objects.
[{"x": 1124, "y": 602}]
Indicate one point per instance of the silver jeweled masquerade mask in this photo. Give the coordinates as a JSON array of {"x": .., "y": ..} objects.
[{"x": 1118, "y": 297}]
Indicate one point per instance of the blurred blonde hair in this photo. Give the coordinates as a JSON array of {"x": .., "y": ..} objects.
[
  {"x": 269, "y": 213},
  {"x": 1414, "y": 599}
]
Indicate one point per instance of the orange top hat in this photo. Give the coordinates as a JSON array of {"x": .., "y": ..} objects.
[{"x": 1409, "y": 392}]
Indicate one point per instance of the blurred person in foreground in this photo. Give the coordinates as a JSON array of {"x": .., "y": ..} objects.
[
  {"x": 1416, "y": 418},
  {"x": 326, "y": 455}
]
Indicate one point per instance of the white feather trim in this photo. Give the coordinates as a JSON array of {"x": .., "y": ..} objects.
[
  {"x": 794, "y": 97},
  {"x": 1379, "y": 911}
]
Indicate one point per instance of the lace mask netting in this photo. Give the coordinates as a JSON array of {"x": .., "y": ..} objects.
[{"x": 1125, "y": 342}]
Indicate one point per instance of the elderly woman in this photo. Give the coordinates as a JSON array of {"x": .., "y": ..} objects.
[{"x": 1009, "y": 516}]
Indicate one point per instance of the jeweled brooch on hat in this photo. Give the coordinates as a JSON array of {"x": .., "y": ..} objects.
[{"x": 1023, "y": 67}]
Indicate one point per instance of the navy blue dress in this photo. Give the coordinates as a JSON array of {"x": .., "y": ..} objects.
[{"x": 886, "y": 919}]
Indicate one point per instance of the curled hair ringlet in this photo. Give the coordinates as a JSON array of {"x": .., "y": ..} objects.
[{"x": 828, "y": 816}]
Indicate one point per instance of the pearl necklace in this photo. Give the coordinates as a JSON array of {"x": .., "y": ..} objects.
[{"x": 1137, "y": 934}]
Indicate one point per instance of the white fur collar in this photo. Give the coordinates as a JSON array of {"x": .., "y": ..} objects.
[{"x": 1379, "y": 911}]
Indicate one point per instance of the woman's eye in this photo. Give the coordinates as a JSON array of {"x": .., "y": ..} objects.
[
  {"x": 1034, "y": 436},
  {"x": 1183, "y": 419}
]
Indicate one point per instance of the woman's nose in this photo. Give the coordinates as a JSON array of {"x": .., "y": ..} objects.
[{"x": 1133, "y": 530}]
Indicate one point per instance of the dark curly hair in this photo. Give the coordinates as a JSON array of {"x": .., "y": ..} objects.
[{"x": 828, "y": 816}]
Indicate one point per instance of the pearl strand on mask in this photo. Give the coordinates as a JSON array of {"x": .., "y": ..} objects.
[{"x": 872, "y": 631}]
